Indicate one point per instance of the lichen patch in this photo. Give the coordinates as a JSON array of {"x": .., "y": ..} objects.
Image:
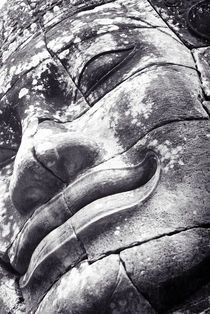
[
  {"x": 23, "y": 92},
  {"x": 170, "y": 155}
]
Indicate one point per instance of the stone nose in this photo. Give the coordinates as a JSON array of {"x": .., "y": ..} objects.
[{"x": 50, "y": 156}]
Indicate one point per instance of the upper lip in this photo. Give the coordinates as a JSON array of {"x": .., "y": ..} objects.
[{"x": 96, "y": 184}]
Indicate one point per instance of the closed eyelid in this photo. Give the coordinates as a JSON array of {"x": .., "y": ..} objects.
[{"x": 128, "y": 53}]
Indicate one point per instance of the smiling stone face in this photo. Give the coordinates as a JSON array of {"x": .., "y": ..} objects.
[{"x": 103, "y": 153}]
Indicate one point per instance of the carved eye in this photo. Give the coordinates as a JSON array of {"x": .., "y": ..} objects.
[
  {"x": 99, "y": 68},
  {"x": 10, "y": 136}
]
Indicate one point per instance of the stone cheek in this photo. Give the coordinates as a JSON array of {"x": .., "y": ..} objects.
[
  {"x": 100, "y": 277},
  {"x": 139, "y": 104},
  {"x": 181, "y": 190},
  {"x": 172, "y": 262},
  {"x": 115, "y": 292}
]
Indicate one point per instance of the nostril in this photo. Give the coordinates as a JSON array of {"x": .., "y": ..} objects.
[{"x": 31, "y": 184}]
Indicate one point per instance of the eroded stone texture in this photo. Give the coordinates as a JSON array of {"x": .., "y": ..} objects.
[
  {"x": 207, "y": 106},
  {"x": 73, "y": 298},
  {"x": 10, "y": 220},
  {"x": 175, "y": 13},
  {"x": 11, "y": 300},
  {"x": 202, "y": 58},
  {"x": 126, "y": 298},
  {"x": 198, "y": 302},
  {"x": 104, "y": 141},
  {"x": 182, "y": 148},
  {"x": 57, "y": 244},
  {"x": 56, "y": 258},
  {"x": 22, "y": 62},
  {"x": 17, "y": 26},
  {"x": 115, "y": 290},
  {"x": 168, "y": 271}
]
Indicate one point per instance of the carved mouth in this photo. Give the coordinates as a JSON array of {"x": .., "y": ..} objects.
[{"x": 48, "y": 238}]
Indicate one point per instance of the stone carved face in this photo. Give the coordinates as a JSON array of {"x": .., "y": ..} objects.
[{"x": 104, "y": 197}]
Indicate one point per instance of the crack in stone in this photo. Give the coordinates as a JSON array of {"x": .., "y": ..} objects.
[
  {"x": 114, "y": 252},
  {"x": 56, "y": 280},
  {"x": 47, "y": 169},
  {"x": 169, "y": 26},
  {"x": 154, "y": 26},
  {"x": 121, "y": 153},
  {"x": 55, "y": 57},
  {"x": 77, "y": 236},
  {"x": 206, "y": 98},
  {"x": 90, "y": 8},
  {"x": 160, "y": 236},
  {"x": 206, "y": 109},
  {"x": 139, "y": 71},
  {"x": 117, "y": 280},
  {"x": 133, "y": 284}
]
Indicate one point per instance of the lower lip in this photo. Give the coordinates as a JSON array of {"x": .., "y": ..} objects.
[
  {"x": 94, "y": 185},
  {"x": 63, "y": 242}
]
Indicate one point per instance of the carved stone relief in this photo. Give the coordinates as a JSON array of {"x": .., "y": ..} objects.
[{"x": 104, "y": 148}]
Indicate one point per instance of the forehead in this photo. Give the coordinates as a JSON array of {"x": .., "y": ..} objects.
[{"x": 21, "y": 21}]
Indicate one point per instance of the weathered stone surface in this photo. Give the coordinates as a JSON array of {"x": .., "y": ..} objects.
[
  {"x": 31, "y": 185},
  {"x": 45, "y": 91},
  {"x": 59, "y": 11},
  {"x": 59, "y": 250},
  {"x": 182, "y": 149},
  {"x": 60, "y": 208},
  {"x": 135, "y": 49},
  {"x": 103, "y": 211},
  {"x": 126, "y": 298},
  {"x": 199, "y": 19},
  {"x": 175, "y": 13},
  {"x": 88, "y": 87},
  {"x": 77, "y": 152},
  {"x": 202, "y": 58},
  {"x": 206, "y": 105},
  {"x": 106, "y": 122},
  {"x": 51, "y": 12},
  {"x": 80, "y": 296},
  {"x": 44, "y": 219},
  {"x": 85, "y": 25},
  {"x": 198, "y": 302},
  {"x": 10, "y": 220},
  {"x": 16, "y": 27},
  {"x": 21, "y": 62},
  {"x": 168, "y": 269},
  {"x": 115, "y": 292},
  {"x": 11, "y": 300},
  {"x": 52, "y": 257}
]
